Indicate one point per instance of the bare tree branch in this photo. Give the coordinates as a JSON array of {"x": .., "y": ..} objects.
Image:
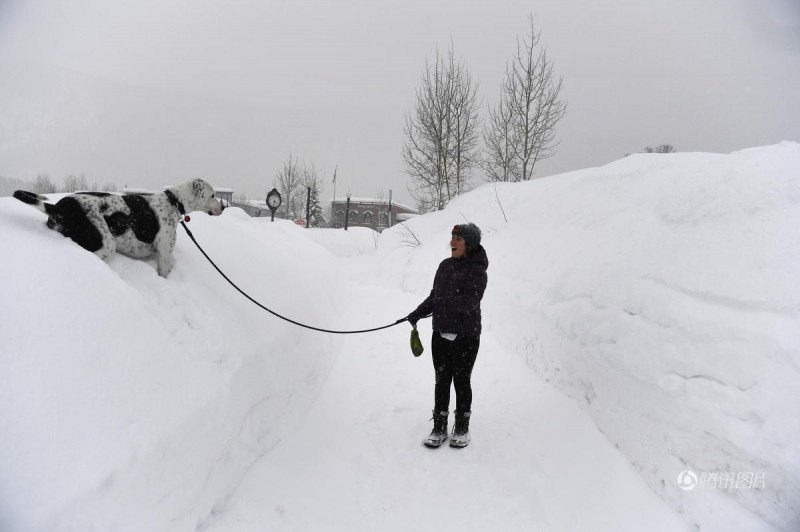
[
  {"x": 290, "y": 183},
  {"x": 441, "y": 146},
  {"x": 522, "y": 128}
]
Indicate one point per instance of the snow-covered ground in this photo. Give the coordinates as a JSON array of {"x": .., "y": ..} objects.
[{"x": 641, "y": 329}]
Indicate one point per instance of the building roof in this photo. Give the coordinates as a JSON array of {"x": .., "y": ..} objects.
[
  {"x": 134, "y": 190},
  {"x": 376, "y": 201}
]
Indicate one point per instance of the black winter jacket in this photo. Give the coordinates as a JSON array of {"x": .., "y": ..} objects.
[{"x": 455, "y": 300}]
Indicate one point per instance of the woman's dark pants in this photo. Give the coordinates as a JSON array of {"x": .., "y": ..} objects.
[{"x": 453, "y": 362}]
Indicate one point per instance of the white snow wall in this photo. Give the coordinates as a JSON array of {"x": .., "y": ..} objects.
[
  {"x": 135, "y": 399},
  {"x": 663, "y": 293}
]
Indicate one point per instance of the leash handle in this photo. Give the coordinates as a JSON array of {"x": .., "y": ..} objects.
[{"x": 191, "y": 236}]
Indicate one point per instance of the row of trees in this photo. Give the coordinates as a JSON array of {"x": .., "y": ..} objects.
[
  {"x": 443, "y": 131},
  {"x": 71, "y": 183},
  {"x": 658, "y": 148},
  {"x": 661, "y": 148},
  {"x": 293, "y": 181}
]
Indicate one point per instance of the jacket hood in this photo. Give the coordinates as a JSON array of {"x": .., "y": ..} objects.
[{"x": 478, "y": 256}]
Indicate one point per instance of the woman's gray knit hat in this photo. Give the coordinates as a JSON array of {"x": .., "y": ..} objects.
[{"x": 470, "y": 233}]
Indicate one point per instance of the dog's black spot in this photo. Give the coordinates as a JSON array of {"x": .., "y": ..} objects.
[
  {"x": 96, "y": 194},
  {"x": 118, "y": 223},
  {"x": 142, "y": 220},
  {"x": 68, "y": 218}
]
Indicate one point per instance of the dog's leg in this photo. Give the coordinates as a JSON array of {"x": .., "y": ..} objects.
[
  {"x": 164, "y": 264},
  {"x": 109, "y": 246},
  {"x": 164, "y": 244}
]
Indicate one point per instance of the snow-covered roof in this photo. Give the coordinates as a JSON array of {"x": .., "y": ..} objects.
[
  {"x": 133, "y": 190},
  {"x": 377, "y": 201}
]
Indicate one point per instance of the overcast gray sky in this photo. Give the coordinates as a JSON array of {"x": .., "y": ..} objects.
[{"x": 152, "y": 92}]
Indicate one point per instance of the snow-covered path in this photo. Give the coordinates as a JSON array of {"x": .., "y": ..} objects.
[
  {"x": 536, "y": 461},
  {"x": 650, "y": 304}
]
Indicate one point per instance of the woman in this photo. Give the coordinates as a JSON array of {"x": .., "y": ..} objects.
[{"x": 455, "y": 303}]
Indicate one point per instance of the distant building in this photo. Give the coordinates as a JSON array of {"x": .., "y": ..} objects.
[
  {"x": 225, "y": 195},
  {"x": 252, "y": 208},
  {"x": 369, "y": 212}
]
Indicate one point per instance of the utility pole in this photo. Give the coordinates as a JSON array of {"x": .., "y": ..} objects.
[
  {"x": 333, "y": 203},
  {"x": 347, "y": 211},
  {"x": 390, "y": 207}
]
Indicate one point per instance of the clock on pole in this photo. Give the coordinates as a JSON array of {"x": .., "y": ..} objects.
[{"x": 273, "y": 201}]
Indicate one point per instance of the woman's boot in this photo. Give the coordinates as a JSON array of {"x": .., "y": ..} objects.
[
  {"x": 439, "y": 432},
  {"x": 460, "y": 436}
]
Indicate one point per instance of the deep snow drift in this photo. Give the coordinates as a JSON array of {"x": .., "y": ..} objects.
[{"x": 658, "y": 292}]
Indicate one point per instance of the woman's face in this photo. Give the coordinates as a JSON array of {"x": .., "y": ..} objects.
[{"x": 458, "y": 248}]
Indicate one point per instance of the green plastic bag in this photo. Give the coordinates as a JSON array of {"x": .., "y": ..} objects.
[{"x": 416, "y": 343}]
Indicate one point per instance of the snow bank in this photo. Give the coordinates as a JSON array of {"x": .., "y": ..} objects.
[
  {"x": 661, "y": 291},
  {"x": 129, "y": 400}
]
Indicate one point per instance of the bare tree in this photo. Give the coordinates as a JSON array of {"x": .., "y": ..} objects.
[
  {"x": 466, "y": 138},
  {"x": 312, "y": 177},
  {"x": 499, "y": 152},
  {"x": 290, "y": 182},
  {"x": 522, "y": 128},
  {"x": 441, "y": 145},
  {"x": 43, "y": 185},
  {"x": 74, "y": 184},
  {"x": 410, "y": 238}
]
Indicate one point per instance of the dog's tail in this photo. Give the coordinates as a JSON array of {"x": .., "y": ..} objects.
[{"x": 36, "y": 201}]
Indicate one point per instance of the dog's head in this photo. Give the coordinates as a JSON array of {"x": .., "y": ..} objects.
[{"x": 198, "y": 195}]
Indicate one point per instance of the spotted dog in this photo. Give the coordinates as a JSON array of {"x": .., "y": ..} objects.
[{"x": 137, "y": 225}]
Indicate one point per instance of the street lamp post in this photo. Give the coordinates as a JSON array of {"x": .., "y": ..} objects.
[
  {"x": 308, "y": 202},
  {"x": 347, "y": 211}
]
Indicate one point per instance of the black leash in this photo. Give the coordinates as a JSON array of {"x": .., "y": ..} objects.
[{"x": 272, "y": 311}]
